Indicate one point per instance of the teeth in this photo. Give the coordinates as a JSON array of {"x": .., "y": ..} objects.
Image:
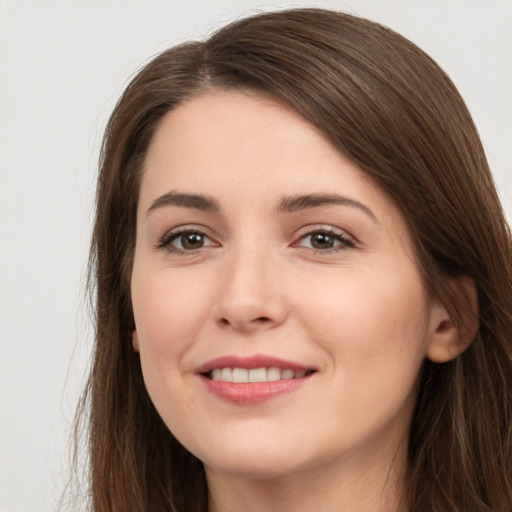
[
  {"x": 287, "y": 374},
  {"x": 226, "y": 374},
  {"x": 273, "y": 374},
  {"x": 258, "y": 375},
  {"x": 240, "y": 375}
]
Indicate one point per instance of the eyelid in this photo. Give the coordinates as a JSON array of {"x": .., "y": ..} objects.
[
  {"x": 346, "y": 240},
  {"x": 325, "y": 228},
  {"x": 164, "y": 242}
]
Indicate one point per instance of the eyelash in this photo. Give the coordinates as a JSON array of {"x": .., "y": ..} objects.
[
  {"x": 338, "y": 236},
  {"x": 171, "y": 236},
  {"x": 344, "y": 241}
]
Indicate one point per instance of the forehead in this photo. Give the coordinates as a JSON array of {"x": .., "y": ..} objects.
[
  {"x": 246, "y": 133},
  {"x": 230, "y": 124},
  {"x": 243, "y": 145}
]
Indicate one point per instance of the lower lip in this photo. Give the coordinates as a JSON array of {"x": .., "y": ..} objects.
[{"x": 252, "y": 392}]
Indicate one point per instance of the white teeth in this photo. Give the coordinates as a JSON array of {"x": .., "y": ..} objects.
[
  {"x": 240, "y": 375},
  {"x": 258, "y": 375},
  {"x": 226, "y": 375},
  {"x": 287, "y": 374},
  {"x": 273, "y": 374}
]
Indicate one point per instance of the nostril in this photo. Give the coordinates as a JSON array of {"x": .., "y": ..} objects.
[{"x": 258, "y": 320}]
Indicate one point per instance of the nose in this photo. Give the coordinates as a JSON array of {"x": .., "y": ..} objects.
[{"x": 251, "y": 294}]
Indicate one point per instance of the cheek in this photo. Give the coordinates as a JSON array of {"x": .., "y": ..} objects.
[
  {"x": 369, "y": 320},
  {"x": 374, "y": 333},
  {"x": 168, "y": 313}
]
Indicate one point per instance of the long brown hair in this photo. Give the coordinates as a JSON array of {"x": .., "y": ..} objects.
[{"x": 390, "y": 109}]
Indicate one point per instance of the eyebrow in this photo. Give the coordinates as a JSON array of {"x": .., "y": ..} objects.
[
  {"x": 195, "y": 201},
  {"x": 303, "y": 202},
  {"x": 288, "y": 204}
]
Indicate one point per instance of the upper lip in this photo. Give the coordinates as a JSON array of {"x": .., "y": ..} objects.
[{"x": 250, "y": 363}]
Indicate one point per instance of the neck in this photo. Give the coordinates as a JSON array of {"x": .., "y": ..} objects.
[{"x": 350, "y": 486}]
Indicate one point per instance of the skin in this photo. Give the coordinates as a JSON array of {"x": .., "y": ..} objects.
[{"x": 356, "y": 312}]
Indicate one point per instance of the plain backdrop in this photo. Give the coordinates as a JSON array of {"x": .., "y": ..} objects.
[{"x": 62, "y": 67}]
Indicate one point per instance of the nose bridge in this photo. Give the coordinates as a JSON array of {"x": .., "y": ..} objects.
[{"x": 249, "y": 293}]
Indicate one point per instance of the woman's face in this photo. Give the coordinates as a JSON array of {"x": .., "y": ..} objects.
[{"x": 280, "y": 315}]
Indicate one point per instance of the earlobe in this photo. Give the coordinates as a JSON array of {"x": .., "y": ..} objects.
[
  {"x": 449, "y": 336},
  {"x": 135, "y": 341}
]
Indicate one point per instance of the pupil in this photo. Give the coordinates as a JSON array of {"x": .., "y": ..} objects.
[
  {"x": 322, "y": 241},
  {"x": 192, "y": 241}
]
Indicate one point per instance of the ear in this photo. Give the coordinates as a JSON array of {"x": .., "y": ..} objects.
[
  {"x": 135, "y": 341},
  {"x": 449, "y": 337}
]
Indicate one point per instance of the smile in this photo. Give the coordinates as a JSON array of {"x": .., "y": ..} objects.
[
  {"x": 253, "y": 379},
  {"x": 240, "y": 375}
]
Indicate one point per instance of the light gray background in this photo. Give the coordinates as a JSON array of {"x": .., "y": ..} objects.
[{"x": 62, "y": 67}]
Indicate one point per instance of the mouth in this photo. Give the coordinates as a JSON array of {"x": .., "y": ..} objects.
[
  {"x": 254, "y": 379},
  {"x": 263, "y": 374}
]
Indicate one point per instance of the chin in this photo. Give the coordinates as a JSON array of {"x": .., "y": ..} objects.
[
  {"x": 265, "y": 467},
  {"x": 255, "y": 459}
]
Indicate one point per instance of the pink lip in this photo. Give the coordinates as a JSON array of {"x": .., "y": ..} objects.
[
  {"x": 250, "y": 363},
  {"x": 251, "y": 392}
]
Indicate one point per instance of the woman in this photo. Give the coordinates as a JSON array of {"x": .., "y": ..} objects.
[{"x": 303, "y": 281}]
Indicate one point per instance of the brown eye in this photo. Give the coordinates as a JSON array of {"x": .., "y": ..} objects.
[
  {"x": 325, "y": 240},
  {"x": 322, "y": 241},
  {"x": 186, "y": 241},
  {"x": 190, "y": 241}
]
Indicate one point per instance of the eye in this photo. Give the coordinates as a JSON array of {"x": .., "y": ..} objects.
[
  {"x": 325, "y": 240},
  {"x": 186, "y": 240}
]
